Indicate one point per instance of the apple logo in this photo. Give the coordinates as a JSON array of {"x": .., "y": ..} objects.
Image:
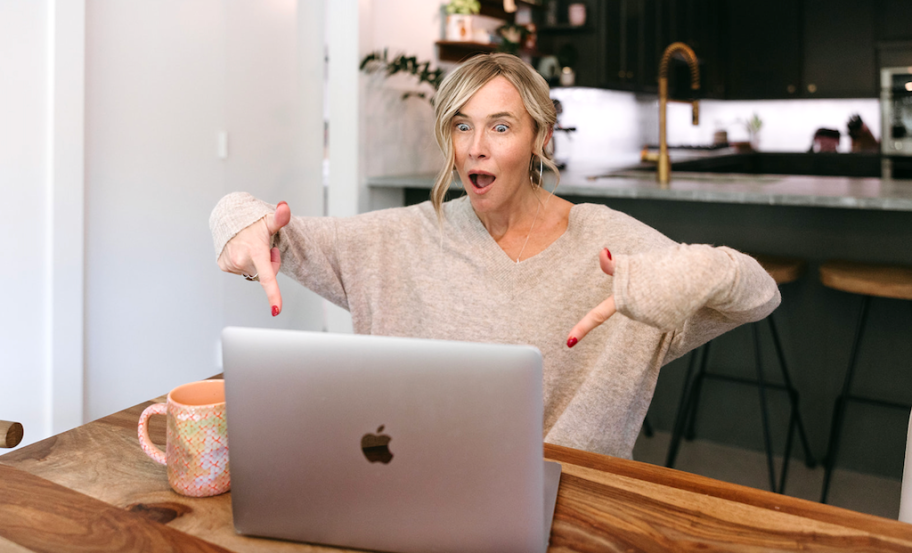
[{"x": 376, "y": 447}]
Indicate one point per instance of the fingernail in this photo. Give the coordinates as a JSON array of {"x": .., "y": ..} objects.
[
  {"x": 275, "y": 310},
  {"x": 280, "y": 203},
  {"x": 572, "y": 342},
  {"x": 609, "y": 253}
]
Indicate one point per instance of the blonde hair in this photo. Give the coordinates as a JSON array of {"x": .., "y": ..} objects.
[{"x": 466, "y": 80}]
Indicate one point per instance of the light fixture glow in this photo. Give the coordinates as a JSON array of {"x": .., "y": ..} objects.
[{"x": 909, "y": 86}]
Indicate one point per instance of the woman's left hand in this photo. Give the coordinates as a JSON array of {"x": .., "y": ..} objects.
[{"x": 602, "y": 311}]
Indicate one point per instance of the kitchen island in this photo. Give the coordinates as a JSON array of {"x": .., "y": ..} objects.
[
  {"x": 785, "y": 190},
  {"x": 808, "y": 217}
]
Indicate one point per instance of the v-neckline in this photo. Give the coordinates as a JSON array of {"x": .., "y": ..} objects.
[{"x": 498, "y": 255}]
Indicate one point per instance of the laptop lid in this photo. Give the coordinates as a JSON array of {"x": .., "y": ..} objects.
[{"x": 391, "y": 444}]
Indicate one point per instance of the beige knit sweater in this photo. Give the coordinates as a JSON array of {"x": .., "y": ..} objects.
[{"x": 399, "y": 275}]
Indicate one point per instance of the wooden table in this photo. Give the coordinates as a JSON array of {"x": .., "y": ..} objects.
[{"x": 93, "y": 489}]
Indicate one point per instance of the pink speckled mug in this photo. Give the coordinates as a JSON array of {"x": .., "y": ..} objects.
[{"x": 197, "y": 438}]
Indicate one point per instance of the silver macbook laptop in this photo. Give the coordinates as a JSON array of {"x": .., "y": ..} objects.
[{"x": 388, "y": 444}]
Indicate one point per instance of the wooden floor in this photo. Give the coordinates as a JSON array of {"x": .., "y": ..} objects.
[{"x": 851, "y": 490}]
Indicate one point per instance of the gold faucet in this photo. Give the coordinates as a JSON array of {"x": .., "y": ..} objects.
[{"x": 663, "y": 174}]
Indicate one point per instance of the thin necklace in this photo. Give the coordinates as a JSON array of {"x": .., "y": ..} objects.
[{"x": 534, "y": 219}]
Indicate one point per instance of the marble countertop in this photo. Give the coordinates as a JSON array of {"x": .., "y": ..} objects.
[{"x": 788, "y": 190}]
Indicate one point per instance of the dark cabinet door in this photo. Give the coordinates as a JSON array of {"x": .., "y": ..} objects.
[
  {"x": 623, "y": 24},
  {"x": 583, "y": 47},
  {"x": 764, "y": 49},
  {"x": 839, "y": 53},
  {"x": 634, "y": 44},
  {"x": 700, "y": 25},
  {"x": 649, "y": 45}
]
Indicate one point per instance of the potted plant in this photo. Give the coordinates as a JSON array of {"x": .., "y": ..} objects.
[
  {"x": 459, "y": 19},
  {"x": 512, "y": 36}
]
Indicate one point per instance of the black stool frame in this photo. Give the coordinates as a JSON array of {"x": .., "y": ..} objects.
[
  {"x": 690, "y": 394},
  {"x": 845, "y": 397}
]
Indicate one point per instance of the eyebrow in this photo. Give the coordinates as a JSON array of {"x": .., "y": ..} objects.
[{"x": 492, "y": 116}]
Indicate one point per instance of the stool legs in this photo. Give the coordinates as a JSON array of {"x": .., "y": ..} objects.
[
  {"x": 685, "y": 419},
  {"x": 839, "y": 408},
  {"x": 647, "y": 428},
  {"x": 795, "y": 399},
  {"x": 690, "y": 414},
  {"x": 683, "y": 406},
  {"x": 764, "y": 414}
]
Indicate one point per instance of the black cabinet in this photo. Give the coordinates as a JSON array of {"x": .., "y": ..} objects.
[
  {"x": 839, "y": 52},
  {"x": 630, "y": 53},
  {"x": 747, "y": 49},
  {"x": 764, "y": 55},
  {"x": 701, "y": 25},
  {"x": 581, "y": 47},
  {"x": 622, "y": 47}
]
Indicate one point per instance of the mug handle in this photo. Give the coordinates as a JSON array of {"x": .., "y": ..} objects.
[{"x": 145, "y": 441}]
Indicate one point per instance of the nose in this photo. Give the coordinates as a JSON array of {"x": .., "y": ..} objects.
[{"x": 478, "y": 148}]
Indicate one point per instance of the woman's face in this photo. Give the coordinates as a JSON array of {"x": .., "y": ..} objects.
[{"x": 493, "y": 137}]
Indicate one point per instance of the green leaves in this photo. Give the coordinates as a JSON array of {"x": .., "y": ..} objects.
[
  {"x": 463, "y": 7},
  {"x": 379, "y": 61}
]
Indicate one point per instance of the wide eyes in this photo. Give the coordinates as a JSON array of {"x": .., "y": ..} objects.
[{"x": 499, "y": 128}]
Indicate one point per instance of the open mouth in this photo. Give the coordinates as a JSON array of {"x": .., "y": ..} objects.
[{"x": 481, "y": 179}]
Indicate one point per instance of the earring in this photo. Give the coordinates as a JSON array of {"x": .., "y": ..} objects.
[
  {"x": 541, "y": 171},
  {"x": 532, "y": 172}
]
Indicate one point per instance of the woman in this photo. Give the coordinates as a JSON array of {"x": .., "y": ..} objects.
[{"x": 511, "y": 263}]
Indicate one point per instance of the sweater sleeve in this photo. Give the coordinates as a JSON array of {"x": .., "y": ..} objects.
[
  {"x": 695, "y": 291},
  {"x": 307, "y": 244}
]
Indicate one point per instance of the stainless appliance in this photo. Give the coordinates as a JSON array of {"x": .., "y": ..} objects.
[
  {"x": 896, "y": 109},
  {"x": 896, "y": 115}
]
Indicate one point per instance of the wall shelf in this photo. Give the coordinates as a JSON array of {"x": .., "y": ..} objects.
[
  {"x": 449, "y": 50},
  {"x": 566, "y": 28}
]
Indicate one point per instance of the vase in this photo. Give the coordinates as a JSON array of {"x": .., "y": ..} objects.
[{"x": 459, "y": 27}]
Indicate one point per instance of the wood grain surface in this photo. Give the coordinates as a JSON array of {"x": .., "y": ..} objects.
[
  {"x": 782, "y": 269},
  {"x": 886, "y": 281},
  {"x": 42, "y": 516},
  {"x": 605, "y": 504},
  {"x": 10, "y": 434},
  {"x": 687, "y": 512}
]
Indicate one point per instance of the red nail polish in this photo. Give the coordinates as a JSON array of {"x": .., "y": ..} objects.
[
  {"x": 572, "y": 342},
  {"x": 609, "y": 253},
  {"x": 275, "y": 310}
]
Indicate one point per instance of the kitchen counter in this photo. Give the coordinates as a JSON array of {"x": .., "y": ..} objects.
[{"x": 786, "y": 190}]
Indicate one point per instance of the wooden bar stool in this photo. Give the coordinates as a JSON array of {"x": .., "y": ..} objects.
[
  {"x": 783, "y": 270},
  {"x": 10, "y": 434},
  {"x": 866, "y": 280}
]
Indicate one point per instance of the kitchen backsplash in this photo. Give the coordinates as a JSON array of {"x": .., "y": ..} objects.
[
  {"x": 613, "y": 126},
  {"x": 609, "y": 128}
]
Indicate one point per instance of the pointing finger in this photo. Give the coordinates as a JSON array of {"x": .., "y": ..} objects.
[
  {"x": 594, "y": 318},
  {"x": 275, "y": 258},
  {"x": 264, "y": 266}
]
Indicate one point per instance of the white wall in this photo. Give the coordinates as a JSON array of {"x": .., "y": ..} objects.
[
  {"x": 274, "y": 116},
  {"x": 398, "y": 134},
  {"x": 137, "y": 93},
  {"x": 23, "y": 175},
  {"x": 155, "y": 100},
  {"x": 163, "y": 79}
]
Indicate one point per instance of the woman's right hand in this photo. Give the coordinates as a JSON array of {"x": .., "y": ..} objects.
[{"x": 248, "y": 253}]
